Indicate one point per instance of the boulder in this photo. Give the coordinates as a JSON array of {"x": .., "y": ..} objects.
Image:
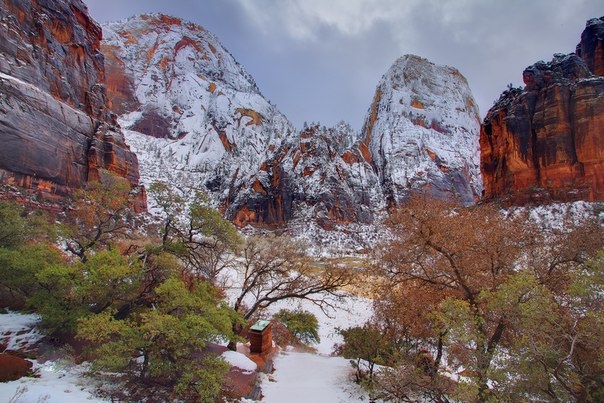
[{"x": 13, "y": 367}]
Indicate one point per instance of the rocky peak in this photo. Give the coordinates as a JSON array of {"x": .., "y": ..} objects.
[
  {"x": 213, "y": 128},
  {"x": 544, "y": 142},
  {"x": 422, "y": 131},
  {"x": 55, "y": 127},
  {"x": 591, "y": 47},
  {"x": 160, "y": 62}
]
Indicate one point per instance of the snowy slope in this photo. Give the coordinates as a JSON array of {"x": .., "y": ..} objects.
[
  {"x": 422, "y": 130},
  {"x": 55, "y": 381},
  {"x": 217, "y": 126}
]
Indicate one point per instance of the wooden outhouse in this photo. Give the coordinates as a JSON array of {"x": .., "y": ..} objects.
[{"x": 261, "y": 337}]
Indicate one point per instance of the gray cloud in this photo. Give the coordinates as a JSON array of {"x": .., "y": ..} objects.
[{"x": 321, "y": 60}]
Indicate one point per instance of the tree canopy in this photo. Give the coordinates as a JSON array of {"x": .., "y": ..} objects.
[{"x": 507, "y": 302}]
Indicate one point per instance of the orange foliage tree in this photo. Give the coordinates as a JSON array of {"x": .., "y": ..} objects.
[{"x": 444, "y": 267}]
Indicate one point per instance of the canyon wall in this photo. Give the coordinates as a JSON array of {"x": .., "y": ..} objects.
[
  {"x": 56, "y": 128},
  {"x": 545, "y": 142}
]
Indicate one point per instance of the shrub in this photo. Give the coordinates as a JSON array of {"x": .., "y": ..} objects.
[{"x": 303, "y": 325}]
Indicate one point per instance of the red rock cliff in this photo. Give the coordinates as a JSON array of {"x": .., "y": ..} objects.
[
  {"x": 56, "y": 129},
  {"x": 546, "y": 142}
]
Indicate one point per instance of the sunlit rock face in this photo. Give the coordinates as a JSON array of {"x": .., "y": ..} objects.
[
  {"x": 546, "y": 142},
  {"x": 56, "y": 129},
  {"x": 422, "y": 132}
]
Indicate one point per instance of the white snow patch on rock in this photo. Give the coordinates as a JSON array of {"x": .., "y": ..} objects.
[{"x": 240, "y": 361}]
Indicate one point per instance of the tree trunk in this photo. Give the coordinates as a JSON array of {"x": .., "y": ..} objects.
[{"x": 237, "y": 330}]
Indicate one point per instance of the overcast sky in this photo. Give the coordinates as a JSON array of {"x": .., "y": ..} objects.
[{"x": 320, "y": 60}]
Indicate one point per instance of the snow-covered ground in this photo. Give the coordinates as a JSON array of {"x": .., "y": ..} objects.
[
  {"x": 56, "y": 382},
  {"x": 306, "y": 377},
  {"x": 18, "y": 331},
  {"x": 317, "y": 377}
]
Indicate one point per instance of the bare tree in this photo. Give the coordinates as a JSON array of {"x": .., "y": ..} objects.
[{"x": 274, "y": 269}]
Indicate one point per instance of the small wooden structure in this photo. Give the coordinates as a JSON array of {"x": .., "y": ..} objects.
[{"x": 261, "y": 337}]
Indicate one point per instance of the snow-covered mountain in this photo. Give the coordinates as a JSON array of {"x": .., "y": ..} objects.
[
  {"x": 179, "y": 84},
  {"x": 422, "y": 130},
  {"x": 196, "y": 117}
]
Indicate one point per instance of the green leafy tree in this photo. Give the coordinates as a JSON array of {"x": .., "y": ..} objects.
[
  {"x": 302, "y": 325},
  {"x": 166, "y": 345},
  {"x": 20, "y": 226},
  {"x": 171, "y": 206},
  {"x": 194, "y": 232},
  {"x": 147, "y": 311},
  {"x": 70, "y": 291},
  {"x": 25, "y": 247},
  {"x": 365, "y": 346},
  {"x": 19, "y": 269},
  {"x": 13, "y": 228},
  {"x": 555, "y": 344}
]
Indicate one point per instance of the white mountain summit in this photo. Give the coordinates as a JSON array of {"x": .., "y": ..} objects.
[{"x": 196, "y": 117}]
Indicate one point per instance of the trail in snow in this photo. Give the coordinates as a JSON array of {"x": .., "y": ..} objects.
[{"x": 306, "y": 377}]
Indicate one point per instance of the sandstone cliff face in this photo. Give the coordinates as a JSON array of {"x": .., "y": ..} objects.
[
  {"x": 49, "y": 44},
  {"x": 55, "y": 127},
  {"x": 545, "y": 142}
]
